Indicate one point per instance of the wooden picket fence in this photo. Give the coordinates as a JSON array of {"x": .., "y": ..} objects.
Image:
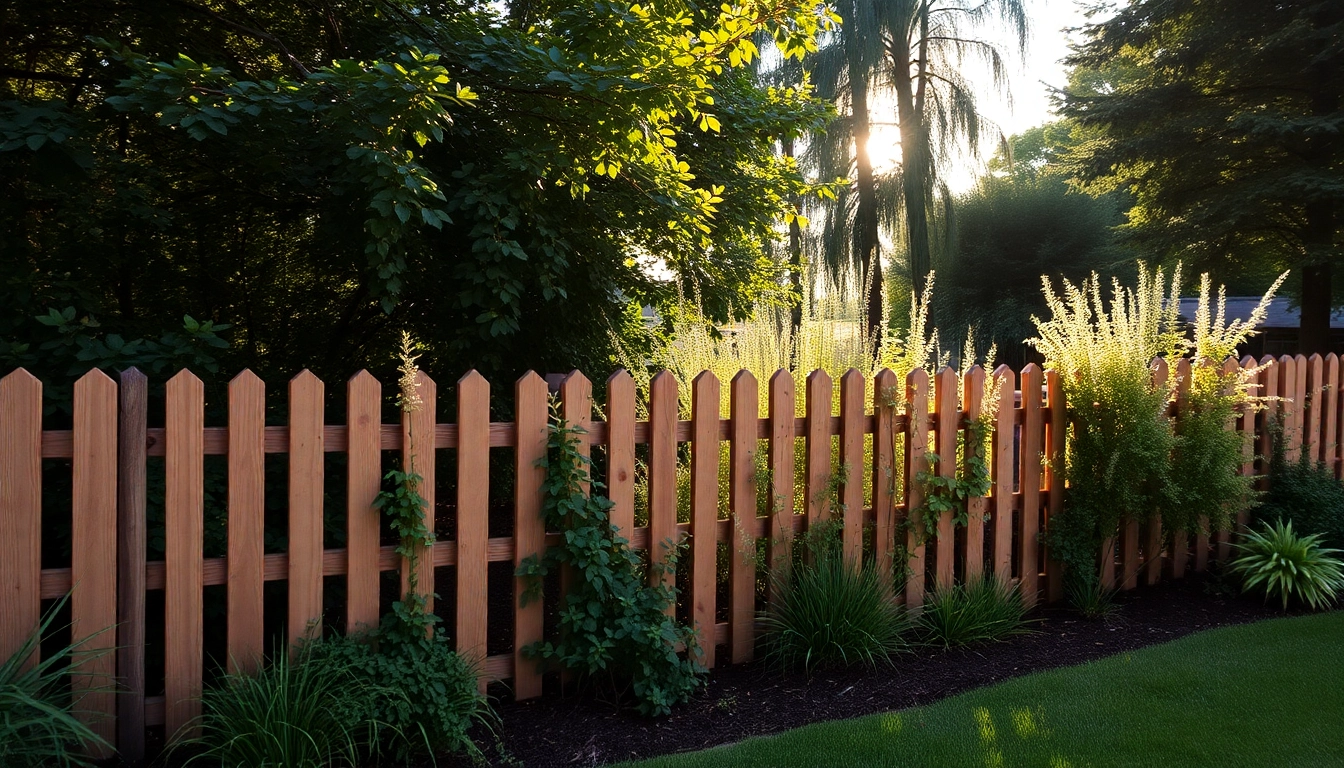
[{"x": 107, "y": 450}]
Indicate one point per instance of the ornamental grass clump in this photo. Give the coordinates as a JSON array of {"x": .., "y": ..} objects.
[
  {"x": 1283, "y": 564},
  {"x": 832, "y": 613},
  {"x": 978, "y": 611},
  {"x": 39, "y": 725}
]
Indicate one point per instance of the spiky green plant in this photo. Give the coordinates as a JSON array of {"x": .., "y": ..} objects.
[
  {"x": 38, "y": 724},
  {"x": 981, "y": 610},
  {"x": 1280, "y": 563}
]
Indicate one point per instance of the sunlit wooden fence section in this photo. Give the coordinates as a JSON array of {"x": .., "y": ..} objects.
[{"x": 851, "y": 452}]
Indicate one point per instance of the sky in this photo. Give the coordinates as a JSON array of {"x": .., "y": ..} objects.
[{"x": 1030, "y": 78}]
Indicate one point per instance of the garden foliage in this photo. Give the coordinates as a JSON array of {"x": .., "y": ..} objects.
[
  {"x": 980, "y": 610},
  {"x": 1304, "y": 493},
  {"x": 1281, "y": 563},
  {"x": 616, "y": 627}
]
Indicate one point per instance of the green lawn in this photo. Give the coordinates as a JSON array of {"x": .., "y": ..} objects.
[{"x": 1266, "y": 694}]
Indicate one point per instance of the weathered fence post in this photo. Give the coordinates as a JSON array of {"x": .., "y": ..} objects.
[{"x": 132, "y": 452}]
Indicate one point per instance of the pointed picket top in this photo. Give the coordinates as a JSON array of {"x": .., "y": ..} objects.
[
  {"x": 18, "y": 377},
  {"x": 850, "y": 377},
  {"x": 819, "y": 378},
  {"x": 781, "y": 383},
  {"x": 1004, "y": 372},
  {"x": 362, "y": 378},
  {"x": 663, "y": 381},
  {"x": 244, "y": 378},
  {"x": 576, "y": 398},
  {"x": 620, "y": 378},
  {"x": 474, "y": 378},
  {"x": 95, "y": 378},
  {"x": 706, "y": 377},
  {"x": 528, "y": 380},
  {"x": 884, "y": 388},
  {"x": 919, "y": 378},
  {"x": 184, "y": 380},
  {"x": 744, "y": 378},
  {"x": 947, "y": 382}
]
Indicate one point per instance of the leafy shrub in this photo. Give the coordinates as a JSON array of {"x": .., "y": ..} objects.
[
  {"x": 312, "y": 710},
  {"x": 830, "y": 613},
  {"x": 1284, "y": 564},
  {"x": 427, "y": 694},
  {"x": 1090, "y": 598},
  {"x": 1306, "y": 494},
  {"x": 37, "y": 724},
  {"x": 614, "y": 627},
  {"x": 981, "y": 610}
]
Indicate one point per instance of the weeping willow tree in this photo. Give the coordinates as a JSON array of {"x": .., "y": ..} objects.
[{"x": 911, "y": 60}]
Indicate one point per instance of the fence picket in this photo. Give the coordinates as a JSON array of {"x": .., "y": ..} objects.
[
  {"x": 247, "y": 510},
  {"x": 818, "y": 447},
  {"x": 1056, "y": 442},
  {"x": 947, "y": 418},
  {"x": 1300, "y": 401},
  {"x": 529, "y": 530},
  {"x": 1330, "y": 413},
  {"x": 745, "y": 414},
  {"x": 973, "y": 556},
  {"x": 704, "y": 507},
  {"x": 306, "y": 394},
  {"x": 621, "y": 451},
  {"x": 1314, "y": 405},
  {"x": 1290, "y": 407},
  {"x": 884, "y": 469},
  {"x": 852, "y": 411},
  {"x": 183, "y": 501},
  {"x": 418, "y": 458},
  {"x": 473, "y": 516},
  {"x": 662, "y": 476},
  {"x": 1004, "y": 477},
  {"x": 781, "y": 475},
  {"x": 93, "y": 553},
  {"x": 917, "y": 461},
  {"x": 1268, "y": 380},
  {"x": 1033, "y": 428},
  {"x": 132, "y": 538},
  {"x": 21, "y": 500},
  {"x": 364, "y": 396}
]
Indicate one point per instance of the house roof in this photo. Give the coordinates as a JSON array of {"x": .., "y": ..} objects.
[{"x": 1282, "y": 312}]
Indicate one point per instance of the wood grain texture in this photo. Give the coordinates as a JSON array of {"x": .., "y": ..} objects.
[
  {"x": 782, "y": 439},
  {"x": 184, "y": 500},
  {"x": 20, "y": 508},
  {"x": 306, "y": 478},
  {"x": 1314, "y": 405},
  {"x": 473, "y": 516},
  {"x": 973, "y": 556},
  {"x": 132, "y": 535},
  {"x": 364, "y": 404},
  {"x": 621, "y": 450},
  {"x": 744, "y": 409},
  {"x": 853, "y": 404},
  {"x": 1004, "y": 477},
  {"x": 885, "y": 396},
  {"x": 916, "y": 448},
  {"x": 705, "y": 396},
  {"x": 418, "y": 456},
  {"x": 1289, "y": 408},
  {"x": 93, "y": 553},
  {"x": 1299, "y": 395},
  {"x": 947, "y": 418},
  {"x": 1033, "y": 432},
  {"x": 817, "y": 454},
  {"x": 662, "y": 476},
  {"x": 1330, "y": 414},
  {"x": 531, "y": 410},
  {"x": 1056, "y": 443},
  {"x": 247, "y": 519}
]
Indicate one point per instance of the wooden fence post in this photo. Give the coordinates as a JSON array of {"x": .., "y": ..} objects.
[
  {"x": 745, "y": 414},
  {"x": 973, "y": 388},
  {"x": 247, "y": 521},
  {"x": 184, "y": 508},
  {"x": 418, "y": 456},
  {"x": 529, "y": 530},
  {"x": 364, "y": 420},
  {"x": 93, "y": 556},
  {"x": 818, "y": 447},
  {"x": 947, "y": 418},
  {"x": 132, "y": 449},
  {"x": 1004, "y": 477},
  {"x": 884, "y": 471},
  {"x": 473, "y": 517},
  {"x": 1314, "y": 405},
  {"x": 852, "y": 411},
  {"x": 1057, "y": 440},
  {"x": 20, "y": 509},
  {"x": 1033, "y": 435},
  {"x": 305, "y": 506},
  {"x": 621, "y": 451},
  {"x": 704, "y": 508},
  {"x": 662, "y": 476},
  {"x": 916, "y": 462},
  {"x": 1330, "y": 414},
  {"x": 781, "y": 505}
]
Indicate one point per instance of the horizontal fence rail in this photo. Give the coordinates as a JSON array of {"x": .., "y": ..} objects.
[{"x": 704, "y": 477}]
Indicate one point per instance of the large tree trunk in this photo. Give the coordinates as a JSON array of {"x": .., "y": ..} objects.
[
  {"x": 866, "y": 243},
  {"x": 915, "y": 169}
]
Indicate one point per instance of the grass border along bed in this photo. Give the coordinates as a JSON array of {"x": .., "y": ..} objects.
[{"x": 1263, "y": 694}]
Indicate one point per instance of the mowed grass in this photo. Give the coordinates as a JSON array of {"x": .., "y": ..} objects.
[{"x": 1265, "y": 694}]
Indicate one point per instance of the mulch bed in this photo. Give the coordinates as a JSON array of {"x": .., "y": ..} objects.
[{"x": 753, "y": 700}]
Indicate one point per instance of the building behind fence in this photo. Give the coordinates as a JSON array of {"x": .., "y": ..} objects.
[{"x": 880, "y": 438}]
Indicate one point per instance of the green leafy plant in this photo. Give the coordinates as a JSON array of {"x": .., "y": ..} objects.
[
  {"x": 831, "y": 613},
  {"x": 311, "y": 710},
  {"x": 1304, "y": 493},
  {"x": 615, "y": 628},
  {"x": 1090, "y": 598},
  {"x": 1284, "y": 564},
  {"x": 38, "y": 726},
  {"x": 980, "y": 610}
]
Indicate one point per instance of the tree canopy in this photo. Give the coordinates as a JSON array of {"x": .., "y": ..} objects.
[{"x": 509, "y": 182}]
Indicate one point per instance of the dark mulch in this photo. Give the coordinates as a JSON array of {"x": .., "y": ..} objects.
[{"x": 753, "y": 700}]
